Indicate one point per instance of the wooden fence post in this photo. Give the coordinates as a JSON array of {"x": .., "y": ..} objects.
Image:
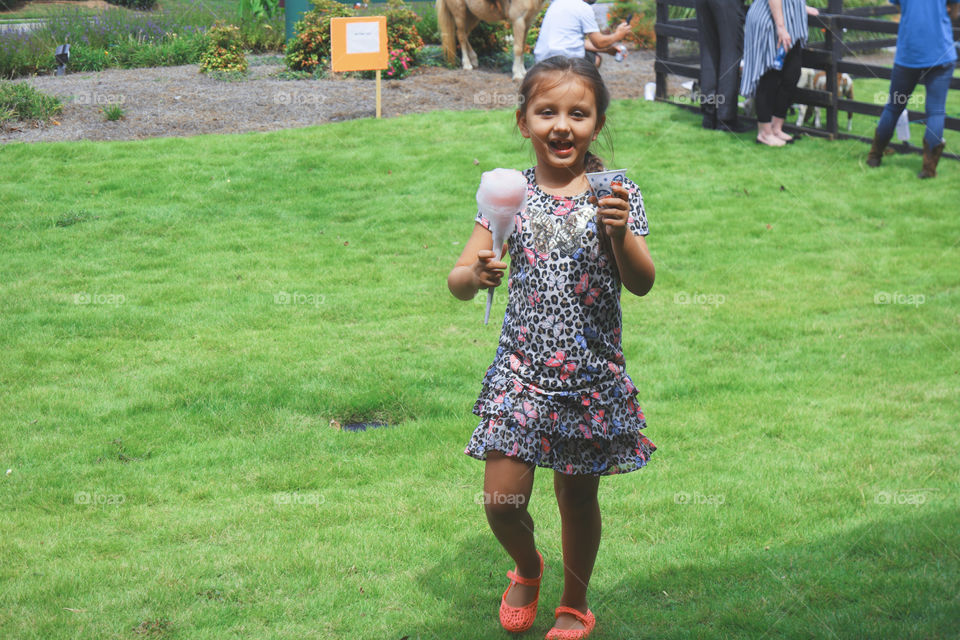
[
  {"x": 834, "y": 42},
  {"x": 663, "y": 48}
]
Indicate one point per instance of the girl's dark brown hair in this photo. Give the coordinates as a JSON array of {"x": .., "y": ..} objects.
[{"x": 561, "y": 65}]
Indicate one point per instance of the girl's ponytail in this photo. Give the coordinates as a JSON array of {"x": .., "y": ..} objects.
[{"x": 592, "y": 162}]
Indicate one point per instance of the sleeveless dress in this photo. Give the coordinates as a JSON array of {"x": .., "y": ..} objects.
[
  {"x": 557, "y": 394},
  {"x": 760, "y": 39}
]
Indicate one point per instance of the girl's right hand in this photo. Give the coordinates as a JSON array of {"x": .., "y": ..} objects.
[{"x": 487, "y": 270}]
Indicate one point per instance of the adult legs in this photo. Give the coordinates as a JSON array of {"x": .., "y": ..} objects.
[
  {"x": 580, "y": 522},
  {"x": 507, "y": 484},
  {"x": 764, "y": 97},
  {"x": 903, "y": 80},
  {"x": 937, "y": 81},
  {"x": 783, "y": 97},
  {"x": 729, "y": 17},
  {"x": 709, "y": 61}
]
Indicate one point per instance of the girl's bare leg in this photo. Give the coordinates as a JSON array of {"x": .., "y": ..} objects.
[
  {"x": 507, "y": 484},
  {"x": 580, "y": 521}
]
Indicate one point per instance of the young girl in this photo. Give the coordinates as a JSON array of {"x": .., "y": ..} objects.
[{"x": 557, "y": 395}]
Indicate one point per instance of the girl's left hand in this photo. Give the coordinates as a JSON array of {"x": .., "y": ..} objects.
[{"x": 613, "y": 211}]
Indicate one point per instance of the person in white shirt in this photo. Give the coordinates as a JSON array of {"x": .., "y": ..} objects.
[{"x": 566, "y": 24}]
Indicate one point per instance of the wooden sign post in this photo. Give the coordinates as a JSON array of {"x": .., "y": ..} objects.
[{"x": 359, "y": 44}]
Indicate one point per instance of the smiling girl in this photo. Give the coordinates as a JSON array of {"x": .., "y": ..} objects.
[{"x": 557, "y": 394}]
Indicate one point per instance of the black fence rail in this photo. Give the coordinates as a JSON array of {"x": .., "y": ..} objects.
[{"x": 828, "y": 56}]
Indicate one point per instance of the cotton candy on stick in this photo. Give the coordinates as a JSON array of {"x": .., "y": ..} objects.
[{"x": 501, "y": 196}]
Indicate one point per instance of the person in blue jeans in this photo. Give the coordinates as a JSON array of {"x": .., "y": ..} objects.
[{"x": 925, "y": 53}]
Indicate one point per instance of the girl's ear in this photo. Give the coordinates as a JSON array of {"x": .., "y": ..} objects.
[
  {"x": 600, "y": 124},
  {"x": 522, "y": 124}
]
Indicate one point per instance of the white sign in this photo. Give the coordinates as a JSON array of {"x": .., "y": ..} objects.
[{"x": 363, "y": 37}]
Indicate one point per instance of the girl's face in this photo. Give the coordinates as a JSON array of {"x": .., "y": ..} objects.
[{"x": 561, "y": 121}]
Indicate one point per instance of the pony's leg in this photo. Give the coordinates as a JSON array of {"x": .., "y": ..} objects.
[
  {"x": 467, "y": 56},
  {"x": 472, "y": 22},
  {"x": 519, "y": 40}
]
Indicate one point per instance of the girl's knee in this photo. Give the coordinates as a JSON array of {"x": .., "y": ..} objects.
[
  {"x": 576, "y": 496},
  {"x": 504, "y": 506}
]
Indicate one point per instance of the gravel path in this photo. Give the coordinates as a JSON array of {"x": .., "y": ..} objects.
[{"x": 180, "y": 101}]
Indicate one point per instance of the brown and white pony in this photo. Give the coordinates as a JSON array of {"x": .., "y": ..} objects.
[{"x": 457, "y": 18}]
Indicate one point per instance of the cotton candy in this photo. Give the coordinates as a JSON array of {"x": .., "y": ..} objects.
[{"x": 501, "y": 196}]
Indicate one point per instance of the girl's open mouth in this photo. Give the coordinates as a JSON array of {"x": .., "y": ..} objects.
[{"x": 561, "y": 147}]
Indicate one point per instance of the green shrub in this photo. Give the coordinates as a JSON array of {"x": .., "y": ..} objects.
[
  {"x": 20, "y": 101},
  {"x": 22, "y": 55},
  {"x": 113, "y": 112},
  {"x": 429, "y": 28},
  {"x": 310, "y": 47},
  {"x": 491, "y": 39},
  {"x": 258, "y": 9},
  {"x": 642, "y": 31},
  {"x": 224, "y": 50},
  {"x": 261, "y": 36},
  {"x": 142, "y": 5},
  {"x": 431, "y": 55},
  {"x": 402, "y": 29}
]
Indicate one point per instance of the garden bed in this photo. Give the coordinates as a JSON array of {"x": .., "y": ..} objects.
[{"x": 180, "y": 101}]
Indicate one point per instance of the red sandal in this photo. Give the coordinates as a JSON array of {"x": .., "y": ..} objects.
[
  {"x": 517, "y": 619},
  {"x": 588, "y": 621}
]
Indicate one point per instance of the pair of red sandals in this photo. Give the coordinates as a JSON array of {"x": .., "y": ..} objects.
[{"x": 517, "y": 619}]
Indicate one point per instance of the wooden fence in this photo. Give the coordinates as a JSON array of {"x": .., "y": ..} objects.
[{"x": 827, "y": 55}]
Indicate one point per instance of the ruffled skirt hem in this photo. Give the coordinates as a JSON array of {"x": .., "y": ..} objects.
[
  {"x": 596, "y": 432},
  {"x": 598, "y": 457}
]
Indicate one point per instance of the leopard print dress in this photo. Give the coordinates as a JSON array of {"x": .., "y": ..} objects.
[{"x": 557, "y": 394}]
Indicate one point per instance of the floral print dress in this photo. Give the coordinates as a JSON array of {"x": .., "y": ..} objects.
[{"x": 557, "y": 394}]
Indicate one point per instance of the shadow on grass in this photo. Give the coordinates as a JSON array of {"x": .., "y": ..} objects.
[{"x": 895, "y": 577}]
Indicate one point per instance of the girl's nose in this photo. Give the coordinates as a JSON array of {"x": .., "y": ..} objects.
[{"x": 561, "y": 123}]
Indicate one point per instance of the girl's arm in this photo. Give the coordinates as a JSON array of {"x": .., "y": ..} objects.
[
  {"x": 476, "y": 268},
  {"x": 633, "y": 258}
]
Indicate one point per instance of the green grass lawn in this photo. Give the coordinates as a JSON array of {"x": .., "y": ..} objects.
[
  {"x": 223, "y": 9},
  {"x": 181, "y": 319}
]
